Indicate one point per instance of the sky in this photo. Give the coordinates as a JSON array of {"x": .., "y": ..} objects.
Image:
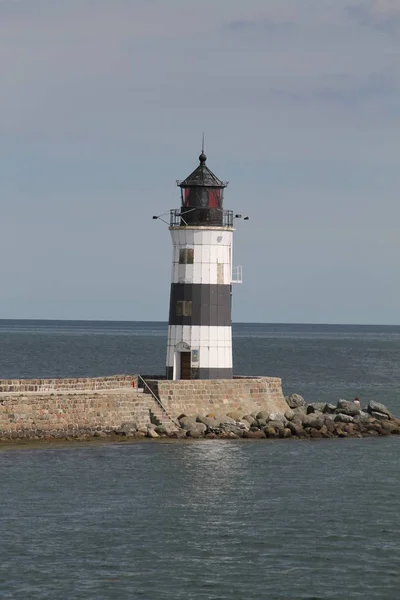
[{"x": 102, "y": 108}]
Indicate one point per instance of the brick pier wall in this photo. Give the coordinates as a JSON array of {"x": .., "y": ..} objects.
[
  {"x": 59, "y": 408},
  {"x": 200, "y": 397},
  {"x": 80, "y": 383}
]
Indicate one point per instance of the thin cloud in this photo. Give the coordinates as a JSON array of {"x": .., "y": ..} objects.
[
  {"x": 382, "y": 15},
  {"x": 262, "y": 26},
  {"x": 376, "y": 92}
]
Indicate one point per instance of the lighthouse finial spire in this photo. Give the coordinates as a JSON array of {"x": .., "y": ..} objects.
[{"x": 202, "y": 157}]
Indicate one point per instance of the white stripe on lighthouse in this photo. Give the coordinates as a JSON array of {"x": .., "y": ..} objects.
[
  {"x": 213, "y": 343},
  {"x": 212, "y": 256}
]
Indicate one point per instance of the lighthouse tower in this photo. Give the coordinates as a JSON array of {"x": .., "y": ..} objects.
[{"x": 200, "y": 324}]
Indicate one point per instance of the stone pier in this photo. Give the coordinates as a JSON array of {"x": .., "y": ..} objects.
[{"x": 60, "y": 408}]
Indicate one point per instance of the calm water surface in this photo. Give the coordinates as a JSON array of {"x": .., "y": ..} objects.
[
  {"x": 212, "y": 519},
  {"x": 244, "y": 520}
]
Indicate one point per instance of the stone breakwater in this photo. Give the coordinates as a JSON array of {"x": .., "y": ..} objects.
[
  {"x": 300, "y": 420},
  {"x": 110, "y": 407}
]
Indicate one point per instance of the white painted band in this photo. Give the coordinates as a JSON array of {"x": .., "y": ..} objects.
[
  {"x": 213, "y": 345},
  {"x": 212, "y": 256}
]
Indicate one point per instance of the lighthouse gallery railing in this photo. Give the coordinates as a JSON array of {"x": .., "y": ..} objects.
[{"x": 182, "y": 217}]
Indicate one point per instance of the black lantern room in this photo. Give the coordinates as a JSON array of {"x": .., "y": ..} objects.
[{"x": 202, "y": 198}]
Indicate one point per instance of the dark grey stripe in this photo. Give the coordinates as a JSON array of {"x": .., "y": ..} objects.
[
  {"x": 205, "y": 373},
  {"x": 212, "y": 373},
  {"x": 211, "y": 304}
]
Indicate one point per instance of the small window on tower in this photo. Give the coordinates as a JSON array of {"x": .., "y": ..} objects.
[
  {"x": 186, "y": 256},
  {"x": 183, "y": 308}
]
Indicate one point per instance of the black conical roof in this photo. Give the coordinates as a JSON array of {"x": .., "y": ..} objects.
[{"x": 202, "y": 176}]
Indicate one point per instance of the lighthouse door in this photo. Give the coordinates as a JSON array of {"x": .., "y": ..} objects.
[{"x": 185, "y": 365}]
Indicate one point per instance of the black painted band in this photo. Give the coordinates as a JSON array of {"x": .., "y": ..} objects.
[{"x": 211, "y": 304}]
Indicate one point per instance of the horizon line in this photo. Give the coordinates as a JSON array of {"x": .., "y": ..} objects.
[{"x": 233, "y": 322}]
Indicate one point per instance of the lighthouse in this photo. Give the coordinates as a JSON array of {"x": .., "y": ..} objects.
[{"x": 200, "y": 322}]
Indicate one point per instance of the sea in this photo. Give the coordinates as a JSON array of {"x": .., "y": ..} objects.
[{"x": 273, "y": 519}]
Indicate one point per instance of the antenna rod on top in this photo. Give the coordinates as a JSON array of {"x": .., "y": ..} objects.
[{"x": 202, "y": 144}]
